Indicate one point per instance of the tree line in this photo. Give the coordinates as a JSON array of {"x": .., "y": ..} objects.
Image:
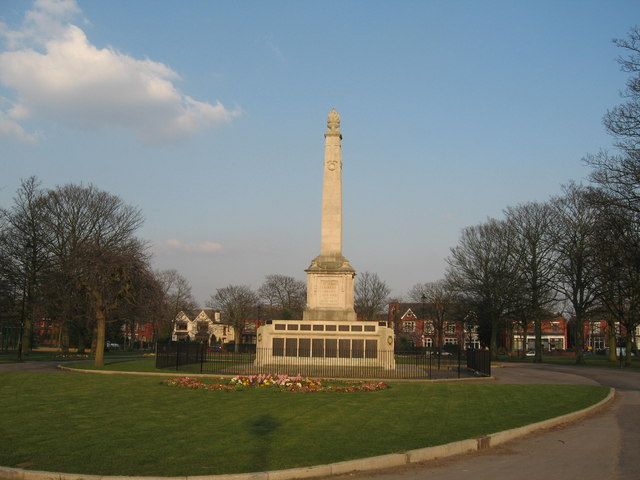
[
  {"x": 578, "y": 252},
  {"x": 70, "y": 256}
]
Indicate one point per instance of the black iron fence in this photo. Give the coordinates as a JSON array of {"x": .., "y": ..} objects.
[
  {"x": 9, "y": 338},
  {"x": 179, "y": 354},
  {"x": 422, "y": 363},
  {"x": 479, "y": 361}
]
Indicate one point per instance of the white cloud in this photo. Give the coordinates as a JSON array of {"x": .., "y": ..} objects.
[
  {"x": 59, "y": 75},
  {"x": 206, "y": 246},
  {"x": 10, "y": 128}
]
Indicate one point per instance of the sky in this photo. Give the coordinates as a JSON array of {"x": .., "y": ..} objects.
[{"x": 209, "y": 117}]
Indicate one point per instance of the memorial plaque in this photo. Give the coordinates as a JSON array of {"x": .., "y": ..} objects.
[
  {"x": 371, "y": 349},
  {"x": 344, "y": 348},
  {"x": 318, "y": 347},
  {"x": 304, "y": 347},
  {"x": 357, "y": 348},
  {"x": 329, "y": 292},
  {"x": 291, "y": 347},
  {"x": 278, "y": 347},
  {"x": 331, "y": 345}
]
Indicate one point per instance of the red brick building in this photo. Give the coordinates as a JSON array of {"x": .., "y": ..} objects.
[
  {"x": 554, "y": 335},
  {"x": 416, "y": 324}
]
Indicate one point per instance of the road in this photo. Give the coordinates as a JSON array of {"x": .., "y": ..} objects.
[{"x": 604, "y": 446}]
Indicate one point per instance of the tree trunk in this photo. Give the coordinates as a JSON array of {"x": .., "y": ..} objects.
[
  {"x": 628, "y": 346},
  {"x": 537, "y": 323},
  {"x": 236, "y": 346},
  {"x": 524, "y": 342},
  {"x": 579, "y": 336},
  {"x": 611, "y": 341},
  {"x": 101, "y": 322},
  {"x": 27, "y": 331},
  {"x": 64, "y": 335},
  {"x": 81, "y": 344},
  {"x": 494, "y": 340},
  {"x": 94, "y": 340}
]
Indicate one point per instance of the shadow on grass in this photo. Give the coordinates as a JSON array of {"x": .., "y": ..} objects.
[{"x": 261, "y": 429}]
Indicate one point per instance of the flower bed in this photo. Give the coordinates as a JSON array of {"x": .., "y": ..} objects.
[{"x": 281, "y": 382}]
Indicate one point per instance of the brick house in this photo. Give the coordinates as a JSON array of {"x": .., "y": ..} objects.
[
  {"x": 596, "y": 333},
  {"x": 415, "y": 324},
  {"x": 554, "y": 335}
]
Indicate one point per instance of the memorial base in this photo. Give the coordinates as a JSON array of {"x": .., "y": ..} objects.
[{"x": 336, "y": 343}]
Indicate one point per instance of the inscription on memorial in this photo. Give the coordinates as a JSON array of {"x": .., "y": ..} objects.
[{"x": 329, "y": 292}]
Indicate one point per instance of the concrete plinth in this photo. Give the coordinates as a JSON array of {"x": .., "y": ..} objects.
[{"x": 341, "y": 344}]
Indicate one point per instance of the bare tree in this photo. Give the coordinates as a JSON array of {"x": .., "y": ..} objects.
[
  {"x": 108, "y": 276},
  {"x": 285, "y": 294},
  {"x": 619, "y": 175},
  {"x": 417, "y": 292},
  {"x": 237, "y": 303},
  {"x": 617, "y": 237},
  {"x": 440, "y": 295},
  {"x": 623, "y": 121},
  {"x": 371, "y": 294},
  {"x": 23, "y": 248},
  {"x": 575, "y": 247},
  {"x": 177, "y": 295},
  {"x": 481, "y": 269},
  {"x": 90, "y": 235},
  {"x": 531, "y": 227}
]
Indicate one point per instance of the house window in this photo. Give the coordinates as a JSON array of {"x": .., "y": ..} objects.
[
  {"x": 598, "y": 343},
  {"x": 450, "y": 328},
  {"x": 409, "y": 327},
  {"x": 428, "y": 328},
  {"x": 475, "y": 344},
  {"x": 203, "y": 327}
]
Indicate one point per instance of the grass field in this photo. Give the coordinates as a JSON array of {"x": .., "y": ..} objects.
[{"x": 139, "y": 426}]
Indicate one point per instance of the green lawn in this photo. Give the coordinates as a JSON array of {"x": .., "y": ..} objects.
[{"x": 137, "y": 426}]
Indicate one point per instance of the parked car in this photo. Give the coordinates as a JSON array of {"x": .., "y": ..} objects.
[
  {"x": 530, "y": 353},
  {"x": 112, "y": 346}
]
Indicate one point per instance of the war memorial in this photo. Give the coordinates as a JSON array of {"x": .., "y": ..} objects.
[{"x": 328, "y": 332}]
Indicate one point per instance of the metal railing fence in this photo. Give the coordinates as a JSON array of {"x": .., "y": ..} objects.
[
  {"x": 479, "y": 361},
  {"x": 417, "y": 363}
]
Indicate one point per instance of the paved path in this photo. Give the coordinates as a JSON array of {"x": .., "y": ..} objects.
[
  {"x": 33, "y": 366},
  {"x": 605, "y": 446}
]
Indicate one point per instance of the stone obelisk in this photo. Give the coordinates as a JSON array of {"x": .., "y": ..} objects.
[{"x": 330, "y": 276}]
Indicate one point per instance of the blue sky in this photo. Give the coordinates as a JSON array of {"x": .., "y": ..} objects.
[{"x": 209, "y": 116}]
